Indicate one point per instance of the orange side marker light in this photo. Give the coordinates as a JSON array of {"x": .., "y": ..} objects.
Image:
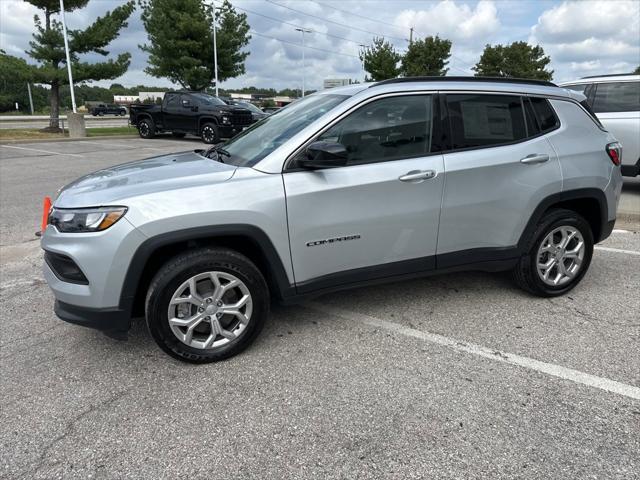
[{"x": 46, "y": 207}]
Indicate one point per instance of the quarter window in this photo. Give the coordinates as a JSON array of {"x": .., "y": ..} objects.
[
  {"x": 617, "y": 97},
  {"x": 479, "y": 120},
  {"x": 388, "y": 129},
  {"x": 547, "y": 119}
]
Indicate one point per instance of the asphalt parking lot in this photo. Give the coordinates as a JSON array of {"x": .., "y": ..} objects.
[{"x": 457, "y": 376}]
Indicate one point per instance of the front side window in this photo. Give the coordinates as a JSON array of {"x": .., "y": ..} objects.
[
  {"x": 388, "y": 129},
  {"x": 617, "y": 97},
  {"x": 482, "y": 120}
]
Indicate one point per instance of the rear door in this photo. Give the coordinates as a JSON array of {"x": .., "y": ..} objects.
[
  {"x": 500, "y": 167},
  {"x": 377, "y": 216}
]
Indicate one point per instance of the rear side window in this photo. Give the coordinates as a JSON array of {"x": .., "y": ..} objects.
[
  {"x": 545, "y": 115},
  {"x": 480, "y": 120},
  {"x": 617, "y": 97}
]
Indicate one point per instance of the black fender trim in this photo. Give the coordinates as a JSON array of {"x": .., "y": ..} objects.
[
  {"x": 551, "y": 200},
  {"x": 280, "y": 282}
]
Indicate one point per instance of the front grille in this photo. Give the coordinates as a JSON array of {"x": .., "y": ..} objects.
[
  {"x": 241, "y": 119},
  {"x": 65, "y": 268}
]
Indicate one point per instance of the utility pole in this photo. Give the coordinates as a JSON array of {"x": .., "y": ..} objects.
[
  {"x": 30, "y": 98},
  {"x": 303, "y": 31},
  {"x": 66, "y": 48},
  {"x": 362, "y": 52},
  {"x": 215, "y": 49},
  {"x": 410, "y": 35}
]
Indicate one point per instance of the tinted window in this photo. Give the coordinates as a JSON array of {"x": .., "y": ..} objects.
[
  {"x": 479, "y": 120},
  {"x": 533, "y": 126},
  {"x": 387, "y": 129},
  {"x": 172, "y": 100},
  {"x": 545, "y": 115},
  {"x": 617, "y": 97}
]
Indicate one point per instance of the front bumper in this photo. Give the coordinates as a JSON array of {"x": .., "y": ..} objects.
[
  {"x": 104, "y": 258},
  {"x": 113, "y": 322},
  {"x": 228, "y": 131}
]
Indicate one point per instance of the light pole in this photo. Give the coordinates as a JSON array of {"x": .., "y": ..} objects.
[
  {"x": 215, "y": 49},
  {"x": 303, "y": 31},
  {"x": 364, "y": 72},
  {"x": 66, "y": 48}
]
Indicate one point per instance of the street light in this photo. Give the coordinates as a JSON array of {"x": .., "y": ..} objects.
[
  {"x": 303, "y": 31},
  {"x": 66, "y": 49},
  {"x": 364, "y": 72},
  {"x": 215, "y": 48}
]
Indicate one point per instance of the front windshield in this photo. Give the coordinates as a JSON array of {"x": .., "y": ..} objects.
[
  {"x": 258, "y": 141},
  {"x": 208, "y": 99}
]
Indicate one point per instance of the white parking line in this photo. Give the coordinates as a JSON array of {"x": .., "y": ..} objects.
[
  {"x": 616, "y": 250},
  {"x": 42, "y": 151},
  {"x": 497, "y": 355}
]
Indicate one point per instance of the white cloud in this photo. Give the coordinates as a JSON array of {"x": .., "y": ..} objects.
[
  {"x": 457, "y": 22},
  {"x": 590, "y": 37}
]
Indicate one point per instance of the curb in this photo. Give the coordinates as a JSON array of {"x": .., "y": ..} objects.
[{"x": 67, "y": 139}]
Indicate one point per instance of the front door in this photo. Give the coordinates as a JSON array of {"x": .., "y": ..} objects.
[{"x": 378, "y": 215}]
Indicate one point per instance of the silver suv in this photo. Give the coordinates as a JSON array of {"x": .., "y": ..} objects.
[
  {"x": 615, "y": 99},
  {"x": 363, "y": 184}
]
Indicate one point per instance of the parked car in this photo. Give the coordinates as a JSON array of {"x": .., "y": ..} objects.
[
  {"x": 360, "y": 184},
  {"x": 271, "y": 110},
  {"x": 190, "y": 112},
  {"x": 615, "y": 99},
  {"x": 256, "y": 113},
  {"x": 108, "y": 109}
]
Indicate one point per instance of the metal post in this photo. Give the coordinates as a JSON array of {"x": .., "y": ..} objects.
[
  {"x": 303, "y": 31},
  {"x": 362, "y": 52},
  {"x": 30, "y": 98},
  {"x": 66, "y": 48},
  {"x": 215, "y": 50}
]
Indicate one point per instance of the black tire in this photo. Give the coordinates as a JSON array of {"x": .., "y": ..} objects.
[
  {"x": 178, "y": 134},
  {"x": 209, "y": 133},
  {"x": 181, "y": 268},
  {"x": 525, "y": 274},
  {"x": 146, "y": 128}
]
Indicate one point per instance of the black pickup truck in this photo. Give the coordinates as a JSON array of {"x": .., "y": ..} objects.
[{"x": 190, "y": 112}]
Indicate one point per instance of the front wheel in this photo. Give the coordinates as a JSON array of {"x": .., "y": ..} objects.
[
  {"x": 206, "y": 305},
  {"x": 146, "y": 128},
  {"x": 557, "y": 255},
  {"x": 209, "y": 133}
]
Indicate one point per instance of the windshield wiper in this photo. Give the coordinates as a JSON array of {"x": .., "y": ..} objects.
[{"x": 219, "y": 151}]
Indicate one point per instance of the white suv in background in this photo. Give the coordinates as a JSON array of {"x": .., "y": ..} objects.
[{"x": 615, "y": 99}]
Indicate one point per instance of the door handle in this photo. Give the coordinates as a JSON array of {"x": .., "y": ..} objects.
[
  {"x": 417, "y": 176},
  {"x": 535, "y": 158}
]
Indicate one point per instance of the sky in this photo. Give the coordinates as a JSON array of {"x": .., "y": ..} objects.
[{"x": 582, "y": 37}]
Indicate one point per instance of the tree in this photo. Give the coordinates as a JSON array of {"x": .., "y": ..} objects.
[
  {"x": 380, "y": 60},
  {"x": 516, "y": 60},
  {"x": 47, "y": 48},
  {"x": 637, "y": 71},
  {"x": 427, "y": 57},
  {"x": 180, "y": 44}
]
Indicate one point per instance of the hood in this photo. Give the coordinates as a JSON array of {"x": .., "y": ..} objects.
[
  {"x": 166, "y": 172},
  {"x": 224, "y": 108}
]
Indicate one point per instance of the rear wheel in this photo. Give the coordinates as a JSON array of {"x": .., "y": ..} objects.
[
  {"x": 146, "y": 128},
  {"x": 206, "y": 305},
  {"x": 558, "y": 254},
  {"x": 209, "y": 133}
]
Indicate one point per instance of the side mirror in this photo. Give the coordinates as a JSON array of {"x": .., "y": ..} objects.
[{"x": 324, "y": 155}]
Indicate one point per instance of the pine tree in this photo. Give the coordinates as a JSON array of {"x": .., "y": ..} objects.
[
  {"x": 380, "y": 60},
  {"x": 428, "y": 57},
  {"x": 47, "y": 48}
]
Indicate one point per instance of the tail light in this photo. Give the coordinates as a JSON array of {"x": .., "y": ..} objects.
[{"x": 614, "y": 150}]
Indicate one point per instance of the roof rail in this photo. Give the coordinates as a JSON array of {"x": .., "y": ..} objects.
[
  {"x": 610, "y": 75},
  {"x": 464, "y": 79}
]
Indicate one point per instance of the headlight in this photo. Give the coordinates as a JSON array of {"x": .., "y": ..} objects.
[
  {"x": 79, "y": 220},
  {"x": 226, "y": 120}
]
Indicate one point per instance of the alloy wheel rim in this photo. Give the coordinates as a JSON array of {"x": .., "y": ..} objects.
[
  {"x": 144, "y": 128},
  {"x": 207, "y": 133},
  {"x": 210, "y": 309},
  {"x": 560, "y": 256}
]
